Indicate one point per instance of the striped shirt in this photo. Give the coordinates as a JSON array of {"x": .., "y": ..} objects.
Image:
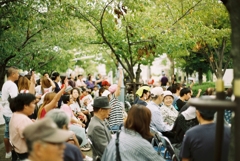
[
  {"x": 116, "y": 114},
  {"x": 132, "y": 147}
]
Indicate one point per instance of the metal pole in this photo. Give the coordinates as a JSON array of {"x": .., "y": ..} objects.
[
  {"x": 237, "y": 118},
  {"x": 220, "y": 121},
  {"x": 121, "y": 98}
]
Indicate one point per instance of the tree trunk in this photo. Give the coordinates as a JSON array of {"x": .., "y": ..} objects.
[
  {"x": 138, "y": 72},
  {"x": 200, "y": 75},
  {"x": 233, "y": 8},
  {"x": 2, "y": 75},
  {"x": 219, "y": 73},
  {"x": 172, "y": 65}
]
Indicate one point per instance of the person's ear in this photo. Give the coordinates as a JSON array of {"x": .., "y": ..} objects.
[{"x": 198, "y": 114}]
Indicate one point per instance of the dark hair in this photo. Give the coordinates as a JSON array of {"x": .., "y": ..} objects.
[
  {"x": 79, "y": 93},
  {"x": 101, "y": 90},
  {"x": 144, "y": 92},
  {"x": 175, "y": 87},
  {"x": 83, "y": 89},
  {"x": 11, "y": 71},
  {"x": 169, "y": 88},
  {"x": 89, "y": 77},
  {"x": 55, "y": 75},
  {"x": 17, "y": 103},
  {"x": 65, "y": 98},
  {"x": 184, "y": 91},
  {"x": 140, "y": 124},
  {"x": 45, "y": 73},
  {"x": 207, "y": 114}
]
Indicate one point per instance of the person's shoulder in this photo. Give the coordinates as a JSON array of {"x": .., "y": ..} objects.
[
  {"x": 194, "y": 130},
  {"x": 9, "y": 83},
  {"x": 71, "y": 147},
  {"x": 95, "y": 122},
  {"x": 72, "y": 152}
]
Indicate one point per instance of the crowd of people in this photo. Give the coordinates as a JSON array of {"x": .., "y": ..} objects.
[{"x": 69, "y": 115}]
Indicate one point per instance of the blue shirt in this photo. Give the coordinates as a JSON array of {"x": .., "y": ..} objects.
[
  {"x": 157, "y": 118},
  {"x": 132, "y": 147}
]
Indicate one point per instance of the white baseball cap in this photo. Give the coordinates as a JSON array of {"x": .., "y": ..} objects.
[{"x": 156, "y": 91}]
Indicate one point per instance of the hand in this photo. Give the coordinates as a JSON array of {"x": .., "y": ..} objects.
[
  {"x": 120, "y": 71},
  {"x": 199, "y": 90},
  {"x": 66, "y": 82},
  {"x": 33, "y": 78}
]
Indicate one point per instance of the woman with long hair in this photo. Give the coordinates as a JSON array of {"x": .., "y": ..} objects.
[
  {"x": 90, "y": 83},
  {"x": 50, "y": 100},
  {"x": 22, "y": 106},
  {"x": 76, "y": 107},
  {"x": 133, "y": 139}
]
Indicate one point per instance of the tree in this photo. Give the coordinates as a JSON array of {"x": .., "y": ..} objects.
[
  {"x": 33, "y": 36},
  {"x": 202, "y": 29},
  {"x": 117, "y": 27}
]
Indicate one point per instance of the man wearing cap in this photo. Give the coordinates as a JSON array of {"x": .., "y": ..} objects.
[
  {"x": 98, "y": 132},
  {"x": 199, "y": 141},
  {"x": 157, "y": 118},
  {"x": 45, "y": 141}
]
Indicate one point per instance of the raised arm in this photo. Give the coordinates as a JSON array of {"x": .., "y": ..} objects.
[
  {"x": 52, "y": 83},
  {"x": 32, "y": 84},
  {"x": 56, "y": 98},
  {"x": 199, "y": 93}
]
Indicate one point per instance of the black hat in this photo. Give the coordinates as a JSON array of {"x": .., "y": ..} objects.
[
  {"x": 206, "y": 112},
  {"x": 101, "y": 102}
]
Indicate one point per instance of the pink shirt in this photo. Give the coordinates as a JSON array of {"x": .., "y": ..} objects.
[
  {"x": 17, "y": 124},
  {"x": 67, "y": 109}
]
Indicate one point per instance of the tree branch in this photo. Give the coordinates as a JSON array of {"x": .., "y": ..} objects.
[
  {"x": 139, "y": 42},
  {"x": 41, "y": 64},
  {"x": 8, "y": 58},
  {"x": 221, "y": 50},
  {"x": 6, "y": 2},
  {"x": 170, "y": 11},
  {"x": 107, "y": 42},
  {"x": 28, "y": 38},
  {"x": 84, "y": 17},
  {"x": 186, "y": 13}
]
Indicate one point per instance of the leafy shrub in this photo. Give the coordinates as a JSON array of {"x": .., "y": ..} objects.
[{"x": 204, "y": 86}]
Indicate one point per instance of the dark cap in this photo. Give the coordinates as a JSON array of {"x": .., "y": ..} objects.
[
  {"x": 46, "y": 130},
  {"x": 101, "y": 102}
]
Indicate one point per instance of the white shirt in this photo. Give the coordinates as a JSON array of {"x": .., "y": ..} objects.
[
  {"x": 9, "y": 89},
  {"x": 75, "y": 107},
  {"x": 80, "y": 83}
]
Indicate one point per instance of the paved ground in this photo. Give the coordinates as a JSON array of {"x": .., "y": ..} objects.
[{"x": 2, "y": 149}]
